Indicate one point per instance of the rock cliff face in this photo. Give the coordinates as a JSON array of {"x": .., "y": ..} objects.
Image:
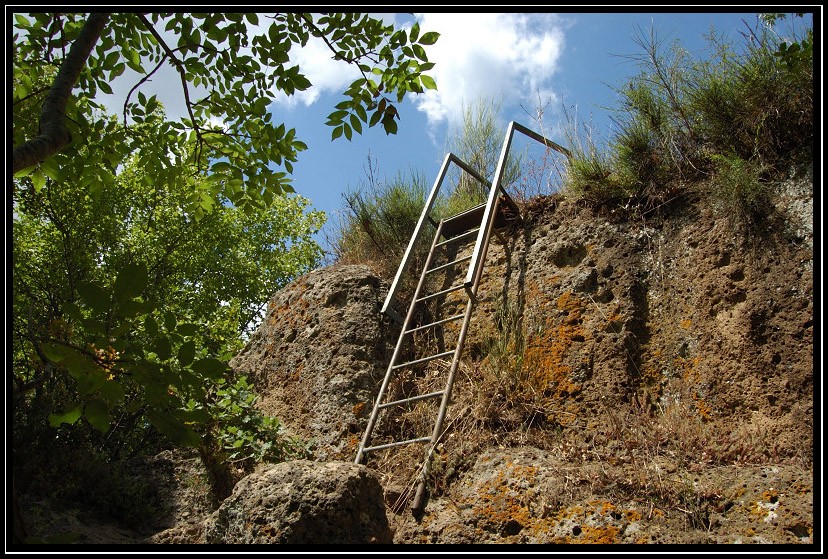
[
  {"x": 644, "y": 380},
  {"x": 319, "y": 354}
]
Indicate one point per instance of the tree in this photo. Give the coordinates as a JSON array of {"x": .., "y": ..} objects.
[
  {"x": 144, "y": 247},
  {"x": 148, "y": 349},
  {"x": 239, "y": 61}
]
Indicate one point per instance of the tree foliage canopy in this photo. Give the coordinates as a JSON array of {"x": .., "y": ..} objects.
[
  {"x": 144, "y": 246},
  {"x": 230, "y": 66}
]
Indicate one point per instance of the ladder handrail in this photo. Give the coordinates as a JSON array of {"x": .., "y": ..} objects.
[
  {"x": 425, "y": 216},
  {"x": 496, "y": 185}
]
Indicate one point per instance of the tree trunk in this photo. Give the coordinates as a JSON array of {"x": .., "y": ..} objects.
[
  {"x": 19, "y": 529},
  {"x": 54, "y": 135}
]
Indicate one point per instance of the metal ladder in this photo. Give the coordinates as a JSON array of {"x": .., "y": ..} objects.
[{"x": 479, "y": 222}]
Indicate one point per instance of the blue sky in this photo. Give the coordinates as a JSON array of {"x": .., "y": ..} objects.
[
  {"x": 520, "y": 60},
  {"x": 568, "y": 60}
]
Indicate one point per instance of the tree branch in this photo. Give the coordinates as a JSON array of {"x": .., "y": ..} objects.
[
  {"x": 54, "y": 135},
  {"x": 183, "y": 73}
]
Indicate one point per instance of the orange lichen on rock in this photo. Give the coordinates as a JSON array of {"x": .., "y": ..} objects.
[
  {"x": 693, "y": 379},
  {"x": 499, "y": 503},
  {"x": 545, "y": 366}
]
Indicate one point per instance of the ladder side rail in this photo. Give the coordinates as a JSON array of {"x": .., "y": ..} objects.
[
  {"x": 417, "y": 503},
  {"x": 385, "y": 381},
  {"x": 425, "y": 216},
  {"x": 419, "y": 495},
  {"x": 489, "y": 215},
  {"x": 497, "y": 187},
  {"x": 546, "y": 141},
  {"x": 459, "y": 162},
  {"x": 409, "y": 251},
  {"x": 476, "y": 280}
]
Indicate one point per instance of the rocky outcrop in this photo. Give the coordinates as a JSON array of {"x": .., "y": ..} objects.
[
  {"x": 642, "y": 380},
  {"x": 319, "y": 355},
  {"x": 303, "y": 502},
  {"x": 525, "y": 495}
]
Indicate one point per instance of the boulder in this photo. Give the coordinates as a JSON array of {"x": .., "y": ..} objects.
[
  {"x": 303, "y": 502},
  {"x": 319, "y": 356}
]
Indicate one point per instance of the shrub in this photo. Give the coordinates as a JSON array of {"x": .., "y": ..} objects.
[
  {"x": 738, "y": 115},
  {"x": 738, "y": 190},
  {"x": 379, "y": 220}
]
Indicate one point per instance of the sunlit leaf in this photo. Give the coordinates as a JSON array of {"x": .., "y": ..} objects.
[
  {"x": 428, "y": 82},
  {"x": 97, "y": 414},
  {"x": 429, "y": 38},
  {"x": 70, "y": 416}
]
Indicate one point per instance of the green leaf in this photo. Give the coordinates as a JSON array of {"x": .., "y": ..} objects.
[
  {"x": 390, "y": 126},
  {"x": 131, "y": 281},
  {"x": 95, "y": 297},
  {"x": 162, "y": 348},
  {"x": 56, "y": 352},
  {"x": 174, "y": 428},
  {"x": 24, "y": 172},
  {"x": 50, "y": 168},
  {"x": 194, "y": 416},
  {"x": 428, "y": 82},
  {"x": 111, "y": 59},
  {"x": 91, "y": 381},
  {"x": 72, "y": 311},
  {"x": 337, "y": 132},
  {"x": 169, "y": 321},
  {"x": 187, "y": 329},
  {"x": 134, "y": 60},
  {"x": 70, "y": 416},
  {"x": 210, "y": 367},
  {"x": 112, "y": 392},
  {"x": 375, "y": 118},
  {"x": 151, "y": 326},
  {"x": 429, "y": 38},
  {"x": 38, "y": 180},
  {"x": 186, "y": 353},
  {"x": 97, "y": 414},
  {"x": 81, "y": 366},
  {"x": 356, "y": 124},
  {"x": 133, "y": 308},
  {"x": 420, "y": 53}
]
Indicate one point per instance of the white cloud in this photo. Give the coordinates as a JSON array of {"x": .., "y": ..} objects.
[
  {"x": 508, "y": 57},
  {"x": 327, "y": 75},
  {"x": 315, "y": 60}
]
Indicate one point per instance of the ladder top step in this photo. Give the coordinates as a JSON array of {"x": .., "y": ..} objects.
[{"x": 471, "y": 218}]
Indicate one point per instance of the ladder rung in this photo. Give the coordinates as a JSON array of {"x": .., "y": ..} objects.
[
  {"x": 468, "y": 233},
  {"x": 455, "y": 317},
  {"x": 389, "y": 445},
  {"x": 424, "y": 359},
  {"x": 450, "y": 264},
  {"x": 412, "y": 399},
  {"x": 443, "y": 292}
]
